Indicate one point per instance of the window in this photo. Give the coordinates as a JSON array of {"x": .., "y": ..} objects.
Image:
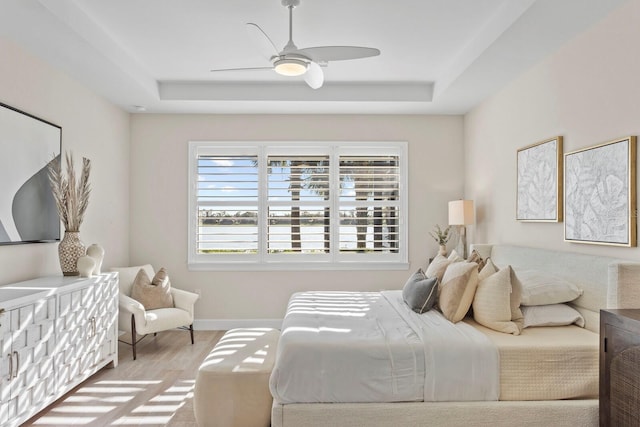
[{"x": 291, "y": 206}]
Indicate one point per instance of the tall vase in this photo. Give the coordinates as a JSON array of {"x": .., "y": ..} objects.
[{"x": 69, "y": 250}]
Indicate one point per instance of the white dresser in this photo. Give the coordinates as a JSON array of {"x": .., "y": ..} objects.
[{"x": 55, "y": 332}]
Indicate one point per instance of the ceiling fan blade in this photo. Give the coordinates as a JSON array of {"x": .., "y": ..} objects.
[
  {"x": 337, "y": 53},
  {"x": 314, "y": 76},
  {"x": 261, "y": 40},
  {"x": 241, "y": 69}
]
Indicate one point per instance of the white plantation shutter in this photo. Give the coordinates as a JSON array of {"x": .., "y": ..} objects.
[
  {"x": 369, "y": 203},
  {"x": 283, "y": 205},
  {"x": 227, "y": 198},
  {"x": 298, "y": 204}
]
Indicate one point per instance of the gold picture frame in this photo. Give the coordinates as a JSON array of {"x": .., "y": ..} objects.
[
  {"x": 600, "y": 194},
  {"x": 539, "y": 184}
]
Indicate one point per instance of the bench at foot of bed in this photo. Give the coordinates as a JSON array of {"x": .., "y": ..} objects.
[{"x": 232, "y": 385}]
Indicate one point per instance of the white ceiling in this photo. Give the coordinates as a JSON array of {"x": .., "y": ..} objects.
[{"x": 437, "y": 56}]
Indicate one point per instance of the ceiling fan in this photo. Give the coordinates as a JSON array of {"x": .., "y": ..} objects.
[{"x": 291, "y": 61}]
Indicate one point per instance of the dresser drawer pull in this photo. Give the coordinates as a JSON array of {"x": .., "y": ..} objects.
[{"x": 15, "y": 374}]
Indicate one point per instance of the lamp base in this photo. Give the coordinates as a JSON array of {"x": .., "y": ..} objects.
[{"x": 461, "y": 248}]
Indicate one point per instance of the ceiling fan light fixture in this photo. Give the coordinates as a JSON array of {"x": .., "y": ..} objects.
[{"x": 290, "y": 67}]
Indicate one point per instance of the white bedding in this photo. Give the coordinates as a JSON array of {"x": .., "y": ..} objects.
[
  {"x": 461, "y": 364},
  {"x": 606, "y": 282},
  {"x": 370, "y": 347}
]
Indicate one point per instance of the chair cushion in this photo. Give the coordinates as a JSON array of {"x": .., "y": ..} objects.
[
  {"x": 152, "y": 293},
  {"x": 126, "y": 276},
  {"x": 163, "y": 319}
]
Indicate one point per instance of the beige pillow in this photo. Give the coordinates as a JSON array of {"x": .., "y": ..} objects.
[
  {"x": 457, "y": 290},
  {"x": 126, "y": 276},
  {"x": 437, "y": 267},
  {"x": 516, "y": 297},
  {"x": 154, "y": 293},
  {"x": 488, "y": 269},
  {"x": 492, "y": 303},
  {"x": 475, "y": 257}
]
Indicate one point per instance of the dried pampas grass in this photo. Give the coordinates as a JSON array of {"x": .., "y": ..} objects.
[{"x": 72, "y": 197}]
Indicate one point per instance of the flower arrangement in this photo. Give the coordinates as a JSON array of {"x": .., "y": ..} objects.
[
  {"x": 71, "y": 195},
  {"x": 441, "y": 236}
]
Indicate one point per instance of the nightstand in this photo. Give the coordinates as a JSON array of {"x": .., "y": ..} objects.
[{"x": 620, "y": 367}]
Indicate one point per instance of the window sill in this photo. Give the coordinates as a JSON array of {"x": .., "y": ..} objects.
[{"x": 298, "y": 266}]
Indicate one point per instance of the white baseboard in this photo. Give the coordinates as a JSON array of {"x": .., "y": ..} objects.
[{"x": 226, "y": 324}]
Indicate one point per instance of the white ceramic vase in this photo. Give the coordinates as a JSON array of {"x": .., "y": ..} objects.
[
  {"x": 96, "y": 252},
  {"x": 86, "y": 264}
]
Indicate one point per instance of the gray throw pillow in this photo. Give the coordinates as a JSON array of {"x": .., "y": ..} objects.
[{"x": 420, "y": 292}]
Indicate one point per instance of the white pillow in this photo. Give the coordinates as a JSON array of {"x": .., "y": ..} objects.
[
  {"x": 454, "y": 256},
  {"x": 551, "y": 315},
  {"x": 437, "y": 267},
  {"x": 540, "y": 288}
]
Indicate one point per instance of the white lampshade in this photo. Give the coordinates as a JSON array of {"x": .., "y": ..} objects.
[{"x": 461, "y": 212}]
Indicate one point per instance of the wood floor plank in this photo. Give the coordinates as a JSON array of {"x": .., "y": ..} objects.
[{"x": 154, "y": 390}]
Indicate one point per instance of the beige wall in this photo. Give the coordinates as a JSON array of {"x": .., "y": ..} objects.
[
  {"x": 92, "y": 128},
  {"x": 587, "y": 92},
  {"x": 159, "y": 200}
]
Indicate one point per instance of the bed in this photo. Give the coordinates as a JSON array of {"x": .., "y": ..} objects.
[{"x": 564, "y": 398}]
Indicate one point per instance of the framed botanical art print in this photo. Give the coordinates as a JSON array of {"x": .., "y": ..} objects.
[
  {"x": 539, "y": 197},
  {"x": 600, "y": 194}
]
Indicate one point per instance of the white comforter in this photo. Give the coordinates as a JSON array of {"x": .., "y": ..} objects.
[{"x": 370, "y": 347}]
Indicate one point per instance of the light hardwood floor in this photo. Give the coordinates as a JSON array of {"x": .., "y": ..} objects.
[{"x": 154, "y": 390}]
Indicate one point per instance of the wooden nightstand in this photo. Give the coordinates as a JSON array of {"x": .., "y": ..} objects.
[{"x": 620, "y": 367}]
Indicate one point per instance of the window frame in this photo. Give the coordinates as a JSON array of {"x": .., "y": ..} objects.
[{"x": 264, "y": 261}]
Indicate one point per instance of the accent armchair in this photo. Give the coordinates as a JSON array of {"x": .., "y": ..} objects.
[{"x": 134, "y": 319}]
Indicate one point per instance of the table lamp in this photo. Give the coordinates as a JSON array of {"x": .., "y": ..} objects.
[{"x": 461, "y": 214}]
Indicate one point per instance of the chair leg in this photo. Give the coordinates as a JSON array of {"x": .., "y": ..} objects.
[
  {"x": 133, "y": 336},
  {"x": 191, "y": 330}
]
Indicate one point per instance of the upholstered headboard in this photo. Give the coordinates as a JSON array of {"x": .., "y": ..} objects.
[{"x": 606, "y": 282}]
